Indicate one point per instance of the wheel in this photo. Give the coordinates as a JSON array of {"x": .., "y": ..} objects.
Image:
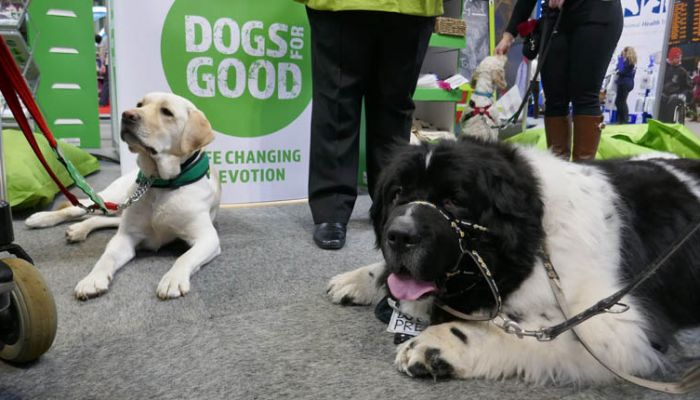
[{"x": 28, "y": 326}]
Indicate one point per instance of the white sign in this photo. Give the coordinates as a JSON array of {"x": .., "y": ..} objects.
[
  {"x": 246, "y": 65},
  {"x": 644, "y": 30}
]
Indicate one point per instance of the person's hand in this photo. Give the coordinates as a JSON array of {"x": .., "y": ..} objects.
[
  {"x": 556, "y": 4},
  {"x": 505, "y": 43}
]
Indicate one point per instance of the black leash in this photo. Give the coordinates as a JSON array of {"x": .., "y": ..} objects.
[
  {"x": 533, "y": 86},
  {"x": 688, "y": 382},
  {"x": 606, "y": 305}
]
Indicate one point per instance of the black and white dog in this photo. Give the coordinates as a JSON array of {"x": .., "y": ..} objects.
[{"x": 601, "y": 223}]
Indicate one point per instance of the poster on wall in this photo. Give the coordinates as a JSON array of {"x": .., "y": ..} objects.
[
  {"x": 246, "y": 65},
  {"x": 644, "y": 31},
  {"x": 476, "y": 16}
]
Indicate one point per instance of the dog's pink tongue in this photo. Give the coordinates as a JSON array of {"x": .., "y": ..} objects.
[{"x": 407, "y": 288}]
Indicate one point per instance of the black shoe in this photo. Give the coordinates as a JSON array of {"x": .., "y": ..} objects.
[{"x": 330, "y": 235}]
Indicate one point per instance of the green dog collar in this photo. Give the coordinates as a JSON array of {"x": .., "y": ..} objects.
[{"x": 192, "y": 170}]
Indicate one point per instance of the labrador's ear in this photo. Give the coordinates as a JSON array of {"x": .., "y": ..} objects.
[{"x": 197, "y": 132}]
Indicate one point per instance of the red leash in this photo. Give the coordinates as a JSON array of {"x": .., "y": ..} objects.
[{"x": 14, "y": 88}]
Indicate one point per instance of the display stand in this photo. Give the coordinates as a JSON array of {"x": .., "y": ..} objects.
[
  {"x": 13, "y": 28},
  {"x": 64, "y": 49},
  {"x": 437, "y": 106}
]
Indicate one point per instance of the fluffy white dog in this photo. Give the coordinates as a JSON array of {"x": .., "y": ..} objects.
[{"x": 479, "y": 119}]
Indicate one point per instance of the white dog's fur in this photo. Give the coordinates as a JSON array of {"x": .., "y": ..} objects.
[
  {"x": 168, "y": 131},
  {"x": 582, "y": 235}
]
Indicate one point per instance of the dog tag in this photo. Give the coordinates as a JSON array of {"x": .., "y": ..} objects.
[{"x": 406, "y": 325}]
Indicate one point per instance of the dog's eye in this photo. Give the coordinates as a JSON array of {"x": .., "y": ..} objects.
[
  {"x": 139, "y": 104},
  {"x": 166, "y": 112}
]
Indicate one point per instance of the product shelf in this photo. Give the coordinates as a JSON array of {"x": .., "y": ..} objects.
[{"x": 447, "y": 41}]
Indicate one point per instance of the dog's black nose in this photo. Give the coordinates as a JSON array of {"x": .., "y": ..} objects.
[
  {"x": 402, "y": 234},
  {"x": 130, "y": 116}
]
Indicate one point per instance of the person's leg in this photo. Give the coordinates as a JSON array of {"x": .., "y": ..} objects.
[
  {"x": 592, "y": 46},
  {"x": 340, "y": 54},
  {"x": 665, "y": 110},
  {"x": 554, "y": 76},
  {"x": 402, "y": 44},
  {"x": 621, "y": 104},
  {"x": 104, "y": 93}
]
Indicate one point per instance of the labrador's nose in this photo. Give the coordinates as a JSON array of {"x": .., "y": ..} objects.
[{"x": 130, "y": 116}]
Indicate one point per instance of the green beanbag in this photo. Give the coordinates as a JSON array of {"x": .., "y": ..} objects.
[
  {"x": 28, "y": 184},
  {"x": 618, "y": 141}
]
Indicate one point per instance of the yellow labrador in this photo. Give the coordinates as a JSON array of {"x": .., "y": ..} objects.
[{"x": 168, "y": 133}]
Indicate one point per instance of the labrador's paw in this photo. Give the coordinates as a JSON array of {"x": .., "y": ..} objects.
[
  {"x": 44, "y": 219},
  {"x": 77, "y": 233},
  {"x": 173, "y": 285},
  {"x": 93, "y": 285}
]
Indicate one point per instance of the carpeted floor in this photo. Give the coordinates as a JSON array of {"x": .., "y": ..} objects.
[{"x": 257, "y": 324}]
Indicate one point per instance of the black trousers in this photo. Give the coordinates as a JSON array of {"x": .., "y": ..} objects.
[
  {"x": 356, "y": 55},
  {"x": 574, "y": 69},
  {"x": 621, "y": 103}
]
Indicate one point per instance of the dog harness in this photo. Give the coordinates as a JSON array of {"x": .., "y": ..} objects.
[
  {"x": 690, "y": 380},
  {"x": 480, "y": 110}
]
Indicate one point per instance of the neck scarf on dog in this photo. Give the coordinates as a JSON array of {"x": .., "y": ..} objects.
[{"x": 192, "y": 170}]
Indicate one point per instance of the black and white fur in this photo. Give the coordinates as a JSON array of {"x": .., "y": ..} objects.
[{"x": 602, "y": 222}]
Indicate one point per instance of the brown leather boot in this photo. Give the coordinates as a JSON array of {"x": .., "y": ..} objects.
[
  {"x": 587, "y": 130},
  {"x": 558, "y": 131}
]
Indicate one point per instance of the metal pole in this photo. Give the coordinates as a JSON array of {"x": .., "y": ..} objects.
[
  {"x": 492, "y": 26},
  {"x": 523, "y": 115},
  {"x": 662, "y": 62},
  {"x": 3, "y": 190},
  {"x": 7, "y": 234}
]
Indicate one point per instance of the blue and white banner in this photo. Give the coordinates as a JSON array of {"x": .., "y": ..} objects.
[{"x": 644, "y": 30}]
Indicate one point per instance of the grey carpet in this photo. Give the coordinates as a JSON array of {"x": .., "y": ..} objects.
[{"x": 257, "y": 324}]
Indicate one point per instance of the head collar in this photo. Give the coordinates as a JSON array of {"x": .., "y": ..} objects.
[{"x": 468, "y": 234}]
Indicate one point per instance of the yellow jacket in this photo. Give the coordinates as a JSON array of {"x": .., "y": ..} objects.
[{"x": 425, "y": 8}]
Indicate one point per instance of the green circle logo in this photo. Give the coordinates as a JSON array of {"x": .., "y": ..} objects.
[{"x": 245, "y": 64}]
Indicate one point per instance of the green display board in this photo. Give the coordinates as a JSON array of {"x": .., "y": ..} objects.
[{"x": 61, "y": 32}]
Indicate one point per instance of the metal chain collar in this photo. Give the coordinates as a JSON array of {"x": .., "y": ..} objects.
[{"x": 141, "y": 189}]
